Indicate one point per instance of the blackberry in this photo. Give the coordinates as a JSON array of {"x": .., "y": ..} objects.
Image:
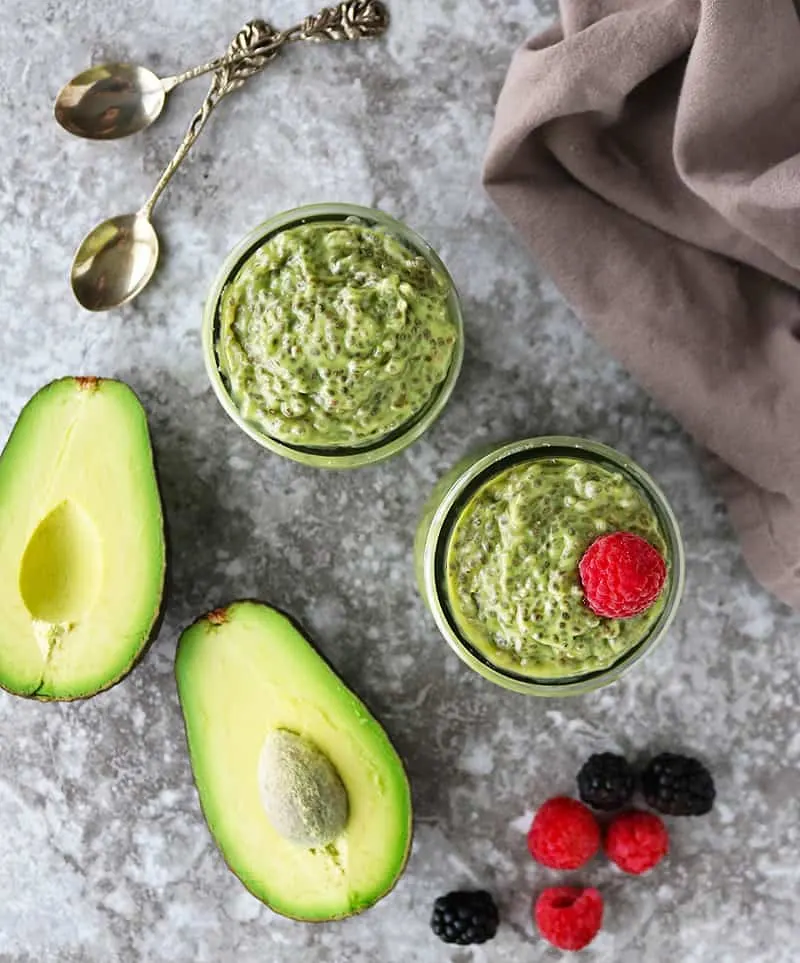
[
  {"x": 465, "y": 917},
  {"x": 678, "y": 786},
  {"x": 606, "y": 782}
]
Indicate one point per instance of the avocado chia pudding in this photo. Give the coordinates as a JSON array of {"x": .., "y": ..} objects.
[
  {"x": 336, "y": 334},
  {"x": 499, "y": 560}
]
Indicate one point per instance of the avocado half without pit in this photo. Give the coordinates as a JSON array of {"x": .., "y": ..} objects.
[
  {"x": 301, "y": 788},
  {"x": 82, "y": 548}
]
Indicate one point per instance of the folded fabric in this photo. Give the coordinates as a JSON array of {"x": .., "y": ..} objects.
[{"x": 648, "y": 151}]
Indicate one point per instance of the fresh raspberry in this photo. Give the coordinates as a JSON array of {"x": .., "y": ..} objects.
[
  {"x": 622, "y": 575},
  {"x": 636, "y": 841},
  {"x": 564, "y": 834},
  {"x": 569, "y": 917}
]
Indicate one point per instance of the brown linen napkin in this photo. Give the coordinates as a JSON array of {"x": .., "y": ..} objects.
[{"x": 648, "y": 151}]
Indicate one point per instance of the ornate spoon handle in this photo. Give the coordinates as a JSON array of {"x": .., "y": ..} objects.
[
  {"x": 255, "y": 46},
  {"x": 247, "y": 59},
  {"x": 352, "y": 20}
]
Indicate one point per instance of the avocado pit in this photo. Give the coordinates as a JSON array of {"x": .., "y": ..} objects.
[{"x": 301, "y": 791}]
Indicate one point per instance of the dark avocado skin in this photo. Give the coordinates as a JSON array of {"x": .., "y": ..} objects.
[
  {"x": 166, "y": 588},
  {"x": 219, "y": 613}
]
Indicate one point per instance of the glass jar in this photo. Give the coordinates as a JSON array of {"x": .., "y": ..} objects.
[
  {"x": 375, "y": 449},
  {"x": 439, "y": 519}
]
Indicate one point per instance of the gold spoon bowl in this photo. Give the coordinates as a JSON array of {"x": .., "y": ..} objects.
[
  {"x": 112, "y": 100},
  {"x": 115, "y": 261}
]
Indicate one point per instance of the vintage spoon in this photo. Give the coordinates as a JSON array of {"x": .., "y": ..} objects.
[
  {"x": 118, "y": 257},
  {"x": 115, "y": 100}
]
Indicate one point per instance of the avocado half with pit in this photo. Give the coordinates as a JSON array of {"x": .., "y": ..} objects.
[
  {"x": 301, "y": 788},
  {"x": 82, "y": 549}
]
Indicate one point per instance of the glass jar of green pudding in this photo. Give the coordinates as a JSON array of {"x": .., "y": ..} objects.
[
  {"x": 497, "y": 552},
  {"x": 333, "y": 335}
]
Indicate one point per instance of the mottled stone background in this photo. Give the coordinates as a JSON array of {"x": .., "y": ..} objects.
[{"x": 104, "y": 855}]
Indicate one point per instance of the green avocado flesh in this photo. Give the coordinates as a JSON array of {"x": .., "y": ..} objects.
[
  {"x": 82, "y": 552},
  {"x": 245, "y": 673}
]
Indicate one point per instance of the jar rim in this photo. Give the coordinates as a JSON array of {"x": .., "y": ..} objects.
[
  {"x": 488, "y": 465},
  {"x": 373, "y": 450}
]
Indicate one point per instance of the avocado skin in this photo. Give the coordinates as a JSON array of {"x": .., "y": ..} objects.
[
  {"x": 158, "y": 619},
  {"x": 299, "y": 627}
]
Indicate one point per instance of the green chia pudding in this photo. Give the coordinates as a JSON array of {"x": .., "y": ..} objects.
[
  {"x": 512, "y": 567},
  {"x": 334, "y": 334}
]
